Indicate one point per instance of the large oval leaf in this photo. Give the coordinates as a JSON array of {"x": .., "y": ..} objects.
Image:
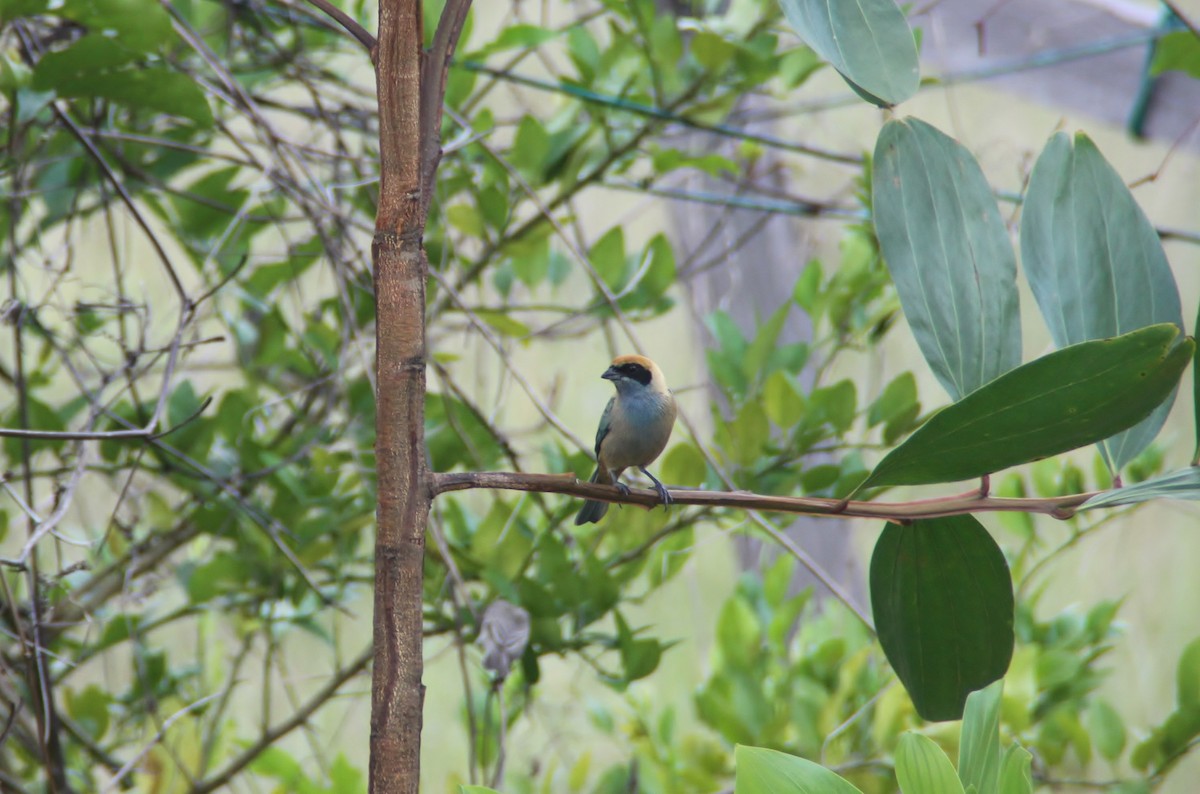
[
  {"x": 1059, "y": 402},
  {"x": 1095, "y": 262},
  {"x": 867, "y": 41},
  {"x": 763, "y": 771},
  {"x": 922, "y": 767},
  {"x": 948, "y": 252},
  {"x": 943, "y": 603}
]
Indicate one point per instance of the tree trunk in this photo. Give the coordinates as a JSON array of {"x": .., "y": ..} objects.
[{"x": 397, "y": 694}]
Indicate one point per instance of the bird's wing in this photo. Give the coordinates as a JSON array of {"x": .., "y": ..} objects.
[{"x": 605, "y": 423}]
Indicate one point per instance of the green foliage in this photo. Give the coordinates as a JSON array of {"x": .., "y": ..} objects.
[
  {"x": 1168, "y": 742},
  {"x": 227, "y": 295},
  {"x": 921, "y": 765}
]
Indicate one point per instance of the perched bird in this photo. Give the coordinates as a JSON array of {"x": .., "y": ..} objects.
[{"x": 634, "y": 429}]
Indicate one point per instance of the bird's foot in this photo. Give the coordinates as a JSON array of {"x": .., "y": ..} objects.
[
  {"x": 664, "y": 495},
  {"x": 622, "y": 487}
]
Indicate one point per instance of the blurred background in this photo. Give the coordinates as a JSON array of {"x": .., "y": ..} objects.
[{"x": 679, "y": 179}]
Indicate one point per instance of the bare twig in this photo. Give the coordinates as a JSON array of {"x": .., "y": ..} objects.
[
  {"x": 434, "y": 67},
  {"x": 158, "y": 737},
  {"x": 1178, "y": 12},
  {"x": 346, "y": 21}
]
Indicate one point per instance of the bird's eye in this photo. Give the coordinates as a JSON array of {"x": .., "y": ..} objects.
[{"x": 635, "y": 372}]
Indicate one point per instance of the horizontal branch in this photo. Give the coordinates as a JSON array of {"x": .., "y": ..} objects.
[
  {"x": 148, "y": 432},
  {"x": 974, "y": 501}
]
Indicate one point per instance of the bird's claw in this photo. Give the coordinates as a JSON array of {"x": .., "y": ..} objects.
[
  {"x": 623, "y": 488},
  {"x": 663, "y": 494}
]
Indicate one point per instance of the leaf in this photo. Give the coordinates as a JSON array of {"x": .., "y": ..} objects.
[
  {"x": 1095, "y": 263},
  {"x": 531, "y": 147},
  {"x": 1178, "y": 51},
  {"x": 503, "y": 322},
  {"x": 153, "y": 88},
  {"x": 782, "y": 404},
  {"x": 922, "y": 767},
  {"x": 766, "y": 340},
  {"x": 684, "y": 465},
  {"x": 807, "y": 292},
  {"x": 143, "y": 25},
  {"x": 466, "y": 219},
  {"x": 90, "y": 53},
  {"x": 836, "y": 404},
  {"x": 15, "y": 9},
  {"x": 1187, "y": 676},
  {"x": 89, "y": 708},
  {"x": 655, "y": 274},
  {"x": 763, "y": 771},
  {"x": 979, "y": 746},
  {"x": 1182, "y": 484},
  {"x": 1062, "y": 401},
  {"x": 1014, "y": 771},
  {"x": 943, "y": 603},
  {"x": 608, "y": 257},
  {"x": 711, "y": 50},
  {"x": 739, "y": 633},
  {"x": 1107, "y": 728},
  {"x": 868, "y": 42},
  {"x": 639, "y": 658},
  {"x": 898, "y": 397},
  {"x": 946, "y": 247},
  {"x": 517, "y": 37}
]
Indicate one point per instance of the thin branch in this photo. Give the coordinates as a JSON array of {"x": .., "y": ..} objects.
[
  {"x": 104, "y": 435},
  {"x": 434, "y": 67},
  {"x": 567, "y": 484},
  {"x": 1183, "y": 18},
  {"x": 666, "y": 114},
  {"x": 158, "y": 737},
  {"x": 346, "y": 21}
]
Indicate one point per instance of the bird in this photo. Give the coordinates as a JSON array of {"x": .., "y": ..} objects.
[
  {"x": 634, "y": 428},
  {"x": 504, "y": 635}
]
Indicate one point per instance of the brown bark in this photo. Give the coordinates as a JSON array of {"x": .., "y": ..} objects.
[
  {"x": 411, "y": 84},
  {"x": 397, "y": 694}
]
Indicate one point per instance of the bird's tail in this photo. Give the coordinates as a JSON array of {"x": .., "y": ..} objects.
[{"x": 593, "y": 511}]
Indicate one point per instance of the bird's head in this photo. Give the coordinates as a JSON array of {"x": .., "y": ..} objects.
[{"x": 632, "y": 374}]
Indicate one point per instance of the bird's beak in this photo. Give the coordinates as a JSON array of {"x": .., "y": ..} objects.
[{"x": 611, "y": 374}]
